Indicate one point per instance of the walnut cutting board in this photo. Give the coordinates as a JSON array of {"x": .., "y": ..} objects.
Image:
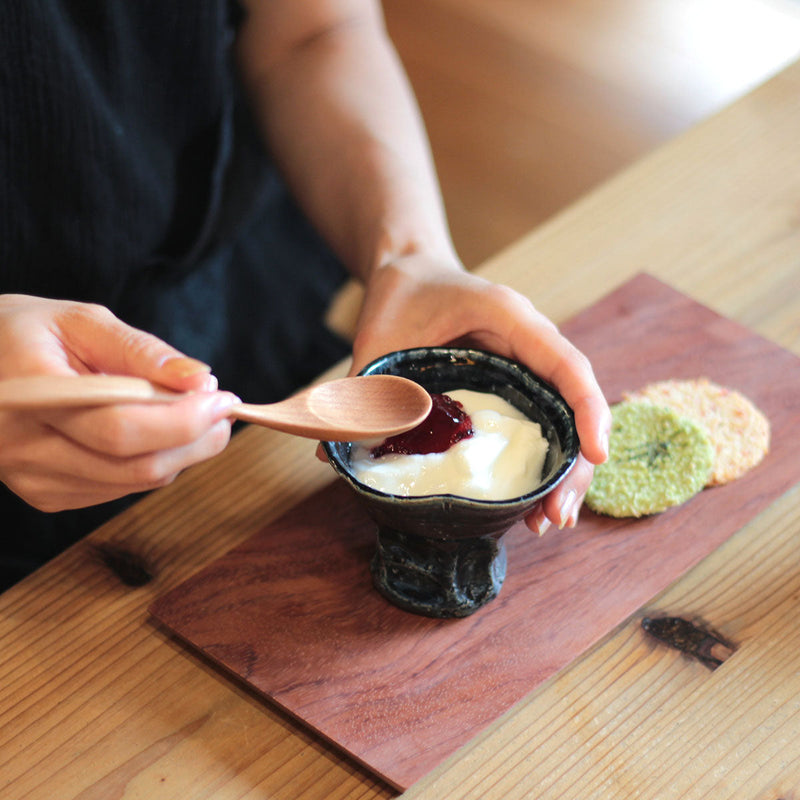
[{"x": 293, "y": 613}]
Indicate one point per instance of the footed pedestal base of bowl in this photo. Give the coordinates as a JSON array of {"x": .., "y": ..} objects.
[
  {"x": 443, "y": 555},
  {"x": 438, "y": 577}
]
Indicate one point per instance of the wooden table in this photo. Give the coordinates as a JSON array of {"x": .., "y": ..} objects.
[{"x": 96, "y": 701}]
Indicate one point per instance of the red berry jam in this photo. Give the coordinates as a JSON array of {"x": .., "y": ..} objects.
[{"x": 446, "y": 424}]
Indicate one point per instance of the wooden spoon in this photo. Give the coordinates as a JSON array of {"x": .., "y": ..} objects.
[{"x": 347, "y": 409}]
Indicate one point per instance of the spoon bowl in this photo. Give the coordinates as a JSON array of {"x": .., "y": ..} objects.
[{"x": 346, "y": 409}]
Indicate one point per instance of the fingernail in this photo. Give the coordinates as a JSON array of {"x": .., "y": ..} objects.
[
  {"x": 211, "y": 384},
  {"x": 223, "y": 403},
  {"x": 573, "y": 517},
  {"x": 604, "y": 446},
  {"x": 566, "y": 509},
  {"x": 183, "y": 367},
  {"x": 540, "y": 523}
]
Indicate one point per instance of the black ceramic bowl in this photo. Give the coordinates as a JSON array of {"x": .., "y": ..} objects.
[{"x": 442, "y": 555}]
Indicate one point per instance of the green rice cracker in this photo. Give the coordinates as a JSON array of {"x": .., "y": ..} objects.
[{"x": 657, "y": 459}]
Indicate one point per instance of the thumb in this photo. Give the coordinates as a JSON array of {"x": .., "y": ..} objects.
[{"x": 107, "y": 344}]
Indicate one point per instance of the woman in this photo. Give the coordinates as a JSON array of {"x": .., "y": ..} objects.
[{"x": 146, "y": 232}]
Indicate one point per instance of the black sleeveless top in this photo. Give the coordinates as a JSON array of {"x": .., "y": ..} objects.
[{"x": 131, "y": 175}]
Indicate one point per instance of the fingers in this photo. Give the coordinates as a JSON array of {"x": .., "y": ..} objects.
[
  {"x": 127, "y": 430},
  {"x": 593, "y": 422},
  {"x": 94, "y": 478},
  {"x": 562, "y": 506},
  {"x": 40, "y": 336},
  {"x": 534, "y": 340},
  {"x": 71, "y": 459},
  {"x": 53, "y": 473},
  {"x": 106, "y": 344}
]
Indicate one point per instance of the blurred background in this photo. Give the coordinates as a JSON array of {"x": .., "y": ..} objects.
[{"x": 531, "y": 103}]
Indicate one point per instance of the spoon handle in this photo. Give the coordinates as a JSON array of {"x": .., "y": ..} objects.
[
  {"x": 62, "y": 391},
  {"x": 290, "y": 416}
]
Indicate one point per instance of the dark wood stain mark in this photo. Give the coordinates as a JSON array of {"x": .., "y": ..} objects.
[
  {"x": 691, "y": 638},
  {"x": 131, "y": 568}
]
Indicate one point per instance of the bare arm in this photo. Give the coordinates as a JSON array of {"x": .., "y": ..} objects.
[{"x": 342, "y": 122}]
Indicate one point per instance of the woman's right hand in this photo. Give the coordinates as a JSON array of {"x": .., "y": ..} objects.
[{"x": 71, "y": 458}]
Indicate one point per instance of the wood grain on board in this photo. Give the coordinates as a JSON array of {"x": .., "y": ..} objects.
[{"x": 293, "y": 614}]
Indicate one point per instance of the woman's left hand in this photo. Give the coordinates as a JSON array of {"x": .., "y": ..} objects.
[{"x": 416, "y": 301}]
